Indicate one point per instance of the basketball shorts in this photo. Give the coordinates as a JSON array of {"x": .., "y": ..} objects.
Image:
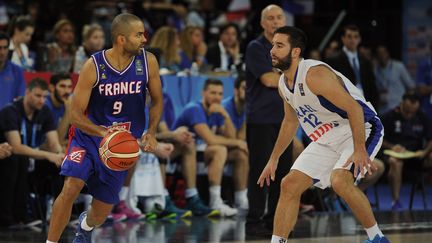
[
  {"x": 82, "y": 161},
  {"x": 319, "y": 160}
]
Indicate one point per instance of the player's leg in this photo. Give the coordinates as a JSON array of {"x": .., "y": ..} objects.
[
  {"x": 240, "y": 177},
  {"x": 292, "y": 187},
  {"x": 215, "y": 157},
  {"x": 395, "y": 178},
  {"x": 342, "y": 182},
  {"x": 62, "y": 207},
  {"x": 97, "y": 213}
]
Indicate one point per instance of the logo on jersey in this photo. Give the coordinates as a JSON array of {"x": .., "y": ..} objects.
[
  {"x": 112, "y": 89},
  {"x": 103, "y": 76},
  {"x": 76, "y": 155},
  {"x": 102, "y": 67},
  {"x": 302, "y": 93},
  {"x": 139, "y": 68},
  {"x": 120, "y": 125}
]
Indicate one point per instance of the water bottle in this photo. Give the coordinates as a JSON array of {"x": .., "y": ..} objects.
[
  {"x": 194, "y": 71},
  {"x": 233, "y": 70},
  {"x": 80, "y": 59}
]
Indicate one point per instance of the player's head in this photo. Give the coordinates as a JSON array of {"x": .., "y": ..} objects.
[
  {"x": 60, "y": 86},
  {"x": 410, "y": 104},
  {"x": 351, "y": 37},
  {"x": 127, "y": 31},
  {"x": 37, "y": 90},
  {"x": 212, "y": 91},
  {"x": 240, "y": 87},
  {"x": 21, "y": 29},
  {"x": 272, "y": 17},
  {"x": 289, "y": 44}
]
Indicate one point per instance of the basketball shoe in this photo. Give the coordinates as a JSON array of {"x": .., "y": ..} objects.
[
  {"x": 172, "y": 211},
  {"x": 225, "y": 210},
  {"x": 81, "y": 235},
  {"x": 199, "y": 209},
  {"x": 122, "y": 208},
  {"x": 377, "y": 239}
]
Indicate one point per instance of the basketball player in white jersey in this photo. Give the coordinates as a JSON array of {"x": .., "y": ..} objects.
[{"x": 343, "y": 126}]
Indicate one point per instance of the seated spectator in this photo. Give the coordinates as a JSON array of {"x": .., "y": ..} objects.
[
  {"x": 407, "y": 129},
  {"x": 26, "y": 125},
  {"x": 226, "y": 52},
  {"x": 21, "y": 30},
  {"x": 235, "y": 106},
  {"x": 215, "y": 132},
  {"x": 424, "y": 82},
  {"x": 61, "y": 52},
  {"x": 167, "y": 41},
  {"x": 93, "y": 41},
  {"x": 392, "y": 78},
  {"x": 59, "y": 102},
  {"x": 11, "y": 76},
  {"x": 193, "y": 47}
]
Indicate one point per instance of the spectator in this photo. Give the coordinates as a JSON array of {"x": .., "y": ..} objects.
[
  {"x": 314, "y": 54},
  {"x": 235, "y": 106},
  {"x": 215, "y": 132},
  {"x": 424, "y": 82},
  {"x": 11, "y": 76},
  {"x": 354, "y": 66},
  {"x": 61, "y": 52},
  {"x": 407, "y": 129},
  {"x": 26, "y": 124},
  {"x": 21, "y": 30},
  {"x": 193, "y": 47},
  {"x": 331, "y": 50},
  {"x": 59, "y": 102},
  {"x": 226, "y": 52},
  {"x": 5, "y": 150},
  {"x": 93, "y": 41},
  {"x": 167, "y": 41},
  {"x": 264, "y": 114},
  {"x": 392, "y": 78}
]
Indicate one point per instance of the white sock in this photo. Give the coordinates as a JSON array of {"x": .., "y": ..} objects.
[
  {"x": 278, "y": 239},
  {"x": 166, "y": 193},
  {"x": 123, "y": 193},
  {"x": 190, "y": 192},
  {"x": 215, "y": 194},
  {"x": 240, "y": 196},
  {"x": 373, "y": 231},
  {"x": 84, "y": 225},
  {"x": 51, "y": 241}
]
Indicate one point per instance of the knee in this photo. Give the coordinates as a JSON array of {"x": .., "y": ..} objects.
[
  {"x": 288, "y": 186},
  {"x": 219, "y": 151},
  {"x": 340, "y": 184},
  {"x": 71, "y": 190},
  {"x": 240, "y": 157}
]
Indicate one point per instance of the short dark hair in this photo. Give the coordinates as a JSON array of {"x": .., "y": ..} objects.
[
  {"x": 4, "y": 36},
  {"x": 411, "y": 95},
  {"x": 55, "y": 78},
  {"x": 37, "y": 83},
  {"x": 351, "y": 27},
  {"x": 240, "y": 78},
  {"x": 227, "y": 26},
  {"x": 296, "y": 37},
  {"x": 212, "y": 81},
  {"x": 20, "y": 22}
]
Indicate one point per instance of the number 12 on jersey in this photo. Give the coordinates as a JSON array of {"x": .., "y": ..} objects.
[{"x": 117, "y": 107}]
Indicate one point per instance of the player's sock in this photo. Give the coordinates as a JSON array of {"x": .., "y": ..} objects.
[
  {"x": 190, "y": 192},
  {"x": 278, "y": 239},
  {"x": 240, "y": 197},
  {"x": 84, "y": 225},
  {"x": 48, "y": 241},
  {"x": 215, "y": 194},
  {"x": 373, "y": 231},
  {"x": 123, "y": 193},
  {"x": 166, "y": 193}
]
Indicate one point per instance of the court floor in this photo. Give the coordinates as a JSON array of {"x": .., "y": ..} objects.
[{"x": 406, "y": 226}]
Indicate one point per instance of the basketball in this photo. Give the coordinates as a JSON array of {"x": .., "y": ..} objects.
[{"x": 119, "y": 150}]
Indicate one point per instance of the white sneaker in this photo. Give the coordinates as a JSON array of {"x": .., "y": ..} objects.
[
  {"x": 242, "y": 204},
  {"x": 225, "y": 210}
]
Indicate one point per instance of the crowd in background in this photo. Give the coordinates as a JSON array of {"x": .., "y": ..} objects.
[{"x": 187, "y": 37}]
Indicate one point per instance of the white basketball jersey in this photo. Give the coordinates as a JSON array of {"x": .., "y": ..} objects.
[{"x": 321, "y": 120}]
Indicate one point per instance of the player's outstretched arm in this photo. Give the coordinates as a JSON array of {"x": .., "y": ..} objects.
[
  {"x": 156, "y": 106},
  {"x": 80, "y": 100},
  {"x": 286, "y": 134},
  {"x": 322, "y": 81}
]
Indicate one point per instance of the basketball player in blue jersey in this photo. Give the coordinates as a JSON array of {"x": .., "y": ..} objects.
[
  {"x": 343, "y": 126},
  {"x": 110, "y": 93}
]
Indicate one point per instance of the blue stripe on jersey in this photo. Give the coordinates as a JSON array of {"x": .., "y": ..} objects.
[
  {"x": 375, "y": 135},
  {"x": 367, "y": 112}
]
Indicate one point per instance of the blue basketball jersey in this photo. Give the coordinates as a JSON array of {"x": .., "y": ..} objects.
[{"x": 118, "y": 98}]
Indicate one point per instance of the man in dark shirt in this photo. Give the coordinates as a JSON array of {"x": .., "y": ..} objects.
[
  {"x": 26, "y": 125},
  {"x": 406, "y": 128},
  {"x": 264, "y": 114}
]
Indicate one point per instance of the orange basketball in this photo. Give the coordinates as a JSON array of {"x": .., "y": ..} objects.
[{"x": 119, "y": 150}]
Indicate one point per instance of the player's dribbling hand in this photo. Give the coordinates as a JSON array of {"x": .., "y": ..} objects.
[
  {"x": 361, "y": 161},
  {"x": 149, "y": 142},
  {"x": 268, "y": 173}
]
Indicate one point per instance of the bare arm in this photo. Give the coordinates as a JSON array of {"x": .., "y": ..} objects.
[
  {"x": 155, "y": 90},
  {"x": 64, "y": 123},
  {"x": 53, "y": 142},
  {"x": 80, "y": 99},
  {"x": 241, "y": 133},
  {"x": 270, "y": 79}
]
